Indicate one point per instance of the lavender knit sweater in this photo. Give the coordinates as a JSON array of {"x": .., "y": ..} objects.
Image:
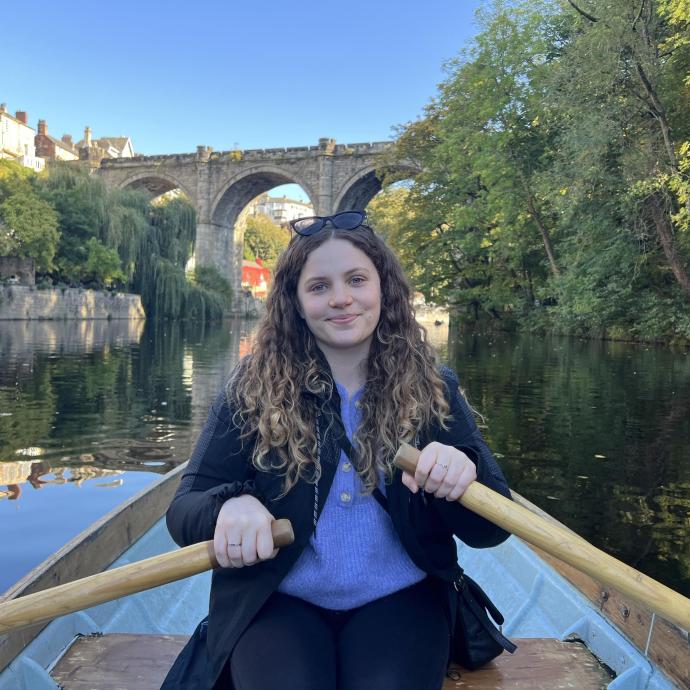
[{"x": 355, "y": 555}]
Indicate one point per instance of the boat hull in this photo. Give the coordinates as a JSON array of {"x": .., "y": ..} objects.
[{"x": 537, "y": 602}]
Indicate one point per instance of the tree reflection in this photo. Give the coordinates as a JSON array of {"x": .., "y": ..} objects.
[
  {"x": 40, "y": 474},
  {"x": 595, "y": 433}
]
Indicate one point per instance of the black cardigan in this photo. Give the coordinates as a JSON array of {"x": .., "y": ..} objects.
[{"x": 220, "y": 466}]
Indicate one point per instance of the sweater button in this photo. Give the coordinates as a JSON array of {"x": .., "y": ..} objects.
[
  {"x": 347, "y": 467},
  {"x": 345, "y": 497}
]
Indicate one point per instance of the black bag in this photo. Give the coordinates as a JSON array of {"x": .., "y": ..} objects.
[{"x": 476, "y": 639}]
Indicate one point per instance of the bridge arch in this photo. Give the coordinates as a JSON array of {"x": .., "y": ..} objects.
[
  {"x": 234, "y": 195},
  {"x": 359, "y": 189},
  {"x": 220, "y": 236},
  {"x": 157, "y": 183}
]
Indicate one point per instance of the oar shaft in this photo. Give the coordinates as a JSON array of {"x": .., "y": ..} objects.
[
  {"x": 119, "y": 582},
  {"x": 566, "y": 545}
]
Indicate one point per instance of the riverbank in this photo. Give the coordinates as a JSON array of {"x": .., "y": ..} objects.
[
  {"x": 432, "y": 316},
  {"x": 540, "y": 324},
  {"x": 21, "y": 303}
]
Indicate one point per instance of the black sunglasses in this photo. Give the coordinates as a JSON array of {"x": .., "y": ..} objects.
[{"x": 347, "y": 220}]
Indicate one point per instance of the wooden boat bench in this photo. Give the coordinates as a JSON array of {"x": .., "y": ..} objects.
[{"x": 120, "y": 661}]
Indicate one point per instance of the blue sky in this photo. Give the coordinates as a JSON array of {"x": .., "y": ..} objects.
[{"x": 257, "y": 74}]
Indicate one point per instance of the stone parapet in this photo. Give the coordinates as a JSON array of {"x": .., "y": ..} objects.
[
  {"x": 26, "y": 303},
  {"x": 249, "y": 154}
]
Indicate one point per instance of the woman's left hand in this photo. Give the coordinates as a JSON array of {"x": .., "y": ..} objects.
[{"x": 443, "y": 471}]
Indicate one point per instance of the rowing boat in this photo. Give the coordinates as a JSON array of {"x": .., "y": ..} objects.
[{"x": 571, "y": 632}]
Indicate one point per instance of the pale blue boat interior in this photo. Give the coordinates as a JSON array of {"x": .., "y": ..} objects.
[{"x": 536, "y": 602}]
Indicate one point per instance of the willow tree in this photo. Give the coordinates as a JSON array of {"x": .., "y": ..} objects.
[
  {"x": 81, "y": 205},
  {"x": 160, "y": 275},
  {"x": 120, "y": 236}
]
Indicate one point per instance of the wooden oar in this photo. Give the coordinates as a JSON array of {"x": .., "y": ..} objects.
[
  {"x": 119, "y": 582},
  {"x": 176, "y": 565},
  {"x": 566, "y": 545}
]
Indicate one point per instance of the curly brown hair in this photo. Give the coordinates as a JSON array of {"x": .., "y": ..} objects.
[{"x": 273, "y": 389}]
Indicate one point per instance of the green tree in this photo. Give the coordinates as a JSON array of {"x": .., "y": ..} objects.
[
  {"x": 28, "y": 228},
  {"x": 554, "y": 170},
  {"x": 482, "y": 146},
  {"x": 13, "y": 177},
  {"x": 627, "y": 60},
  {"x": 72, "y": 225},
  {"x": 264, "y": 239},
  {"x": 81, "y": 205},
  {"x": 391, "y": 214},
  {"x": 102, "y": 264}
]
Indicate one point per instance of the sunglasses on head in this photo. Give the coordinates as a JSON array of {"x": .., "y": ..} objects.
[{"x": 347, "y": 220}]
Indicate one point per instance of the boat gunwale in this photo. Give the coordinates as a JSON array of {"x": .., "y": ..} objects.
[
  {"x": 119, "y": 529},
  {"x": 664, "y": 643},
  {"x": 91, "y": 551}
]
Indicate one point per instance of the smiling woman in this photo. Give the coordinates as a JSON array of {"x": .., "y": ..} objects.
[
  {"x": 339, "y": 297},
  {"x": 307, "y": 429}
]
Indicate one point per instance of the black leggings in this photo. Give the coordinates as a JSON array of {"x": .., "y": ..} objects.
[{"x": 398, "y": 642}]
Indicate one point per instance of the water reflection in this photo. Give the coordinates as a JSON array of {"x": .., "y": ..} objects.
[
  {"x": 40, "y": 474},
  {"x": 20, "y": 340},
  {"x": 596, "y": 433},
  {"x": 96, "y": 405}
]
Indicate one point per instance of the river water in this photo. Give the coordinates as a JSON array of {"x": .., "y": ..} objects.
[{"x": 597, "y": 434}]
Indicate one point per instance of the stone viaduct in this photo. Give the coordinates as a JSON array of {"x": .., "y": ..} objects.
[{"x": 221, "y": 184}]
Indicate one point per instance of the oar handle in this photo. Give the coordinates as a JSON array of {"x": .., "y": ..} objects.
[
  {"x": 566, "y": 545},
  {"x": 119, "y": 582},
  {"x": 281, "y": 530}
]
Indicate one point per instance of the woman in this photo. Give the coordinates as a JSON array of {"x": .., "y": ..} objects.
[{"x": 307, "y": 429}]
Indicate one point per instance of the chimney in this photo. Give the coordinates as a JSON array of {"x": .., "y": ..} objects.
[
  {"x": 42, "y": 127},
  {"x": 67, "y": 139},
  {"x": 22, "y": 116},
  {"x": 3, "y": 107},
  {"x": 87, "y": 137}
]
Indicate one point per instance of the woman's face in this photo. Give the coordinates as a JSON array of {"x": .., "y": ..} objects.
[{"x": 339, "y": 297}]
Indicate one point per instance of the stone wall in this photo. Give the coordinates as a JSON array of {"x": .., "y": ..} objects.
[
  {"x": 21, "y": 270},
  {"x": 25, "y": 303},
  {"x": 432, "y": 315}
]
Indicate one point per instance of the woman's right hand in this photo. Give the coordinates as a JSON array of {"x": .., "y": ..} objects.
[{"x": 243, "y": 533}]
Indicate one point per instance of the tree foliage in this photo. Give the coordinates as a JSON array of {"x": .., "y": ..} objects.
[
  {"x": 28, "y": 229},
  {"x": 81, "y": 233},
  {"x": 553, "y": 189},
  {"x": 102, "y": 264},
  {"x": 263, "y": 239},
  {"x": 391, "y": 214},
  {"x": 28, "y": 224}
]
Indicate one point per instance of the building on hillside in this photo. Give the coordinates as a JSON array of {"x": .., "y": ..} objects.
[
  {"x": 17, "y": 139},
  {"x": 280, "y": 210},
  {"x": 255, "y": 278},
  {"x": 95, "y": 150},
  {"x": 54, "y": 149}
]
